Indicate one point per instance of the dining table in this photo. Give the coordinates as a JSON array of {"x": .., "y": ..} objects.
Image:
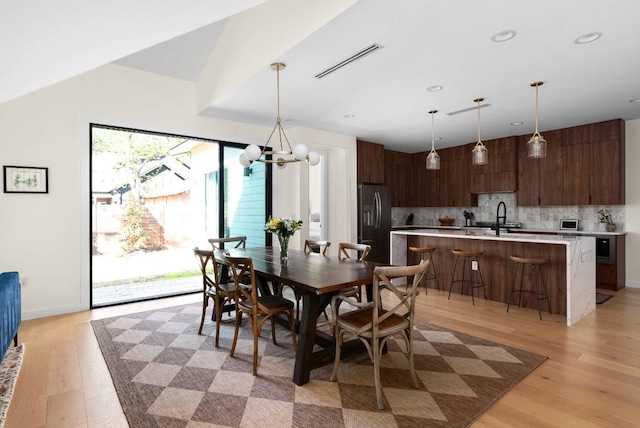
[{"x": 317, "y": 279}]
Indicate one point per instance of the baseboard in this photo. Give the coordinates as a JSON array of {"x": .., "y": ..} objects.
[
  {"x": 632, "y": 284},
  {"x": 49, "y": 312}
]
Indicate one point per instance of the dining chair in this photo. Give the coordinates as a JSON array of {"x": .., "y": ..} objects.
[
  {"x": 214, "y": 286},
  {"x": 345, "y": 251},
  {"x": 315, "y": 246},
  {"x": 310, "y": 246},
  {"x": 376, "y": 321},
  {"x": 259, "y": 308}
]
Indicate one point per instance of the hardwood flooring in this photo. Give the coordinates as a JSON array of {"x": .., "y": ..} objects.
[{"x": 591, "y": 379}]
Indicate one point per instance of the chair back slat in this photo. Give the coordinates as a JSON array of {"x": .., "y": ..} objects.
[
  {"x": 345, "y": 247},
  {"x": 310, "y": 245},
  {"x": 219, "y": 243},
  {"x": 242, "y": 269}
]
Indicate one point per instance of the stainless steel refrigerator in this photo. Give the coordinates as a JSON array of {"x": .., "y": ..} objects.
[{"x": 374, "y": 220}]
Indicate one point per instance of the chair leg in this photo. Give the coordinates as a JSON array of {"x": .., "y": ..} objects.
[
  {"x": 235, "y": 334},
  {"x": 433, "y": 269},
  {"x": 376, "y": 370},
  {"x": 293, "y": 331},
  {"x": 273, "y": 330},
  {"x": 256, "y": 334},
  {"x": 205, "y": 302},
  {"x": 336, "y": 362},
  {"x": 217, "y": 307},
  {"x": 513, "y": 286},
  {"x": 408, "y": 337},
  {"x": 544, "y": 288}
]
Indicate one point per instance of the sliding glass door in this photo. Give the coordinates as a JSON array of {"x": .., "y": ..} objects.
[{"x": 154, "y": 198}]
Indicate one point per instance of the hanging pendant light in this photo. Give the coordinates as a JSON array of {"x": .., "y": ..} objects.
[
  {"x": 479, "y": 154},
  {"x": 537, "y": 145},
  {"x": 280, "y": 157},
  {"x": 433, "y": 159}
]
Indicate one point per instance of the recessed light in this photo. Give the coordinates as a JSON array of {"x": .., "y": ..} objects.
[
  {"x": 438, "y": 138},
  {"x": 349, "y": 116},
  {"x": 503, "y": 36},
  {"x": 516, "y": 123},
  {"x": 434, "y": 88},
  {"x": 588, "y": 38},
  {"x": 635, "y": 100}
]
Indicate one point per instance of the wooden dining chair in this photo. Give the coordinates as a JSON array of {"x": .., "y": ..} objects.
[
  {"x": 315, "y": 246},
  {"x": 258, "y": 308},
  {"x": 360, "y": 251},
  {"x": 214, "y": 286},
  {"x": 376, "y": 321},
  {"x": 310, "y": 246}
]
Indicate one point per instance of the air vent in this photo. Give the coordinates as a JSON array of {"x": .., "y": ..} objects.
[
  {"x": 464, "y": 110},
  {"x": 364, "y": 52}
]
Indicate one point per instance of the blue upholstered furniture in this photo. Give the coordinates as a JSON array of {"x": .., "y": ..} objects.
[{"x": 10, "y": 310}]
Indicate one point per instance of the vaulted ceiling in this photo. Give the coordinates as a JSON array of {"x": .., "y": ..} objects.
[{"x": 225, "y": 47}]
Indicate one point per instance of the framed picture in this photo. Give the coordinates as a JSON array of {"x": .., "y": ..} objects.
[{"x": 26, "y": 179}]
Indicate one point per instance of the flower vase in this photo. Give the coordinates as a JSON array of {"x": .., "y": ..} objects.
[{"x": 284, "y": 249}]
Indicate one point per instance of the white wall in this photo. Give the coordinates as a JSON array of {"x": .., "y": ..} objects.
[
  {"x": 632, "y": 200},
  {"x": 46, "y": 237}
]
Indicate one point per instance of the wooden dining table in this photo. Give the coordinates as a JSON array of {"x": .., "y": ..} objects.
[{"x": 317, "y": 279}]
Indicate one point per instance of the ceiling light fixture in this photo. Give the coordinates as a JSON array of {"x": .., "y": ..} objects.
[
  {"x": 280, "y": 157},
  {"x": 503, "y": 36},
  {"x": 434, "y": 88},
  {"x": 635, "y": 100},
  {"x": 516, "y": 123},
  {"x": 433, "y": 159},
  {"x": 479, "y": 155},
  {"x": 537, "y": 145},
  {"x": 588, "y": 38}
]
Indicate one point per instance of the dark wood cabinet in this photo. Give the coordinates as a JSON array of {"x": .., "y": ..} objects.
[
  {"x": 370, "y": 161},
  {"x": 500, "y": 172},
  {"x": 584, "y": 165},
  {"x": 396, "y": 176},
  {"x": 450, "y": 185}
]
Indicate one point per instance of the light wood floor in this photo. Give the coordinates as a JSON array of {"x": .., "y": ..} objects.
[{"x": 591, "y": 379}]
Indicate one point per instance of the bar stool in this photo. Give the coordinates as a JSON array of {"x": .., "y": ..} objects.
[
  {"x": 541, "y": 290},
  {"x": 425, "y": 252},
  {"x": 469, "y": 258}
]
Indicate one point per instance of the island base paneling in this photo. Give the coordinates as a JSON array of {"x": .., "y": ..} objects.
[{"x": 498, "y": 270}]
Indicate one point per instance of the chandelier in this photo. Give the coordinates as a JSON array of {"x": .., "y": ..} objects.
[
  {"x": 433, "y": 159},
  {"x": 479, "y": 155},
  {"x": 537, "y": 145},
  {"x": 285, "y": 153}
]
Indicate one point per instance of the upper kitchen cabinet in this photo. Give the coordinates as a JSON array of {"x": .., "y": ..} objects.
[
  {"x": 371, "y": 166},
  {"x": 584, "y": 165},
  {"x": 396, "y": 176},
  {"x": 499, "y": 174},
  {"x": 605, "y": 142},
  {"x": 450, "y": 185}
]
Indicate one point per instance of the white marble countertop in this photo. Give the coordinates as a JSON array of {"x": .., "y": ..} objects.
[
  {"x": 522, "y": 230},
  {"x": 491, "y": 235}
]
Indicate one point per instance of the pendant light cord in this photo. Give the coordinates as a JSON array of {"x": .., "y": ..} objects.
[{"x": 479, "y": 142}]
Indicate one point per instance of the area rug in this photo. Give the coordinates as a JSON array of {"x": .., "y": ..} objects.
[
  {"x": 602, "y": 297},
  {"x": 9, "y": 370},
  {"x": 166, "y": 375}
]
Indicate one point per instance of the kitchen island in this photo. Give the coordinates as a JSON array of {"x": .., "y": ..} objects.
[{"x": 570, "y": 276}]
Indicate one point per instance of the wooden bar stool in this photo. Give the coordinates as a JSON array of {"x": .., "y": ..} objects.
[
  {"x": 541, "y": 289},
  {"x": 469, "y": 259},
  {"x": 425, "y": 252}
]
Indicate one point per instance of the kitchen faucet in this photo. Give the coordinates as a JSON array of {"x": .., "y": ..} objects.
[{"x": 503, "y": 216}]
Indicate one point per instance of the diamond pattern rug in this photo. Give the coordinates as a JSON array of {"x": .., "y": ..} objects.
[
  {"x": 167, "y": 375},
  {"x": 9, "y": 370}
]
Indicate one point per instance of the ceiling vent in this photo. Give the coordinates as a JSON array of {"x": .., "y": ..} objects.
[
  {"x": 464, "y": 110},
  {"x": 364, "y": 52}
]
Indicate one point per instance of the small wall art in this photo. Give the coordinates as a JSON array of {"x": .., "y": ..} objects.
[{"x": 26, "y": 179}]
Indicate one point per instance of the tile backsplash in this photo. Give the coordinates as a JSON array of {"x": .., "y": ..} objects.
[{"x": 530, "y": 217}]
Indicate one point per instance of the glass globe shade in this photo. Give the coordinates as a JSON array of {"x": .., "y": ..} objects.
[
  {"x": 314, "y": 158},
  {"x": 253, "y": 152},
  {"x": 479, "y": 155},
  {"x": 300, "y": 151},
  {"x": 244, "y": 161},
  {"x": 537, "y": 147}
]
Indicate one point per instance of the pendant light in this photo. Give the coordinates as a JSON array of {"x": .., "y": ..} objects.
[
  {"x": 479, "y": 155},
  {"x": 433, "y": 159},
  {"x": 537, "y": 145},
  {"x": 282, "y": 156}
]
